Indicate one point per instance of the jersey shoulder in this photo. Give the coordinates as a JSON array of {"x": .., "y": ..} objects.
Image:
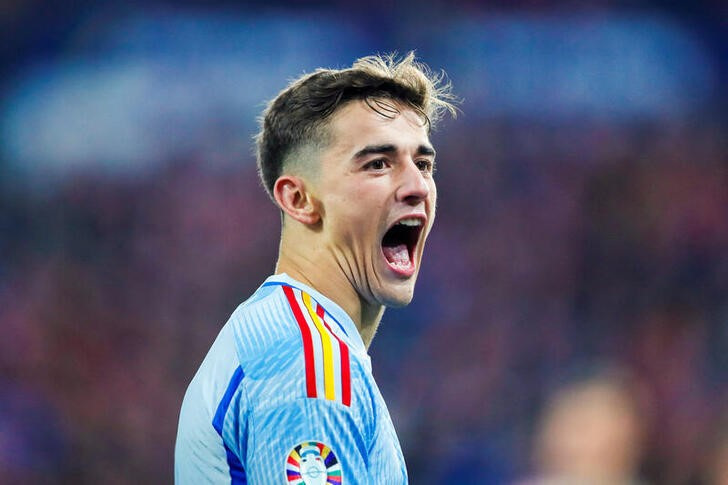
[{"x": 291, "y": 347}]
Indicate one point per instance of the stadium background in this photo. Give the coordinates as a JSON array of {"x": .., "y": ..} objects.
[{"x": 582, "y": 225}]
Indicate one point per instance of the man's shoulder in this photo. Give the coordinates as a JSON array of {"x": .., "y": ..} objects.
[
  {"x": 288, "y": 340},
  {"x": 280, "y": 315},
  {"x": 263, "y": 324}
]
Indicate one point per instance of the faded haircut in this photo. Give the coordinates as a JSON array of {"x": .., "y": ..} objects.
[{"x": 297, "y": 117}]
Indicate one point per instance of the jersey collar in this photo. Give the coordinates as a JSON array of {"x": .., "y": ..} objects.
[{"x": 337, "y": 313}]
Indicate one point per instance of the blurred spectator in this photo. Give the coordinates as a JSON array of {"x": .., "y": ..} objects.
[
  {"x": 590, "y": 433},
  {"x": 716, "y": 459}
]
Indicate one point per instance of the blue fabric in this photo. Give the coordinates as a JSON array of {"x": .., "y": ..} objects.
[
  {"x": 249, "y": 416},
  {"x": 237, "y": 472}
]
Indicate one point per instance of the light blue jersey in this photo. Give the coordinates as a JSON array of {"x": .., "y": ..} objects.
[{"x": 286, "y": 396}]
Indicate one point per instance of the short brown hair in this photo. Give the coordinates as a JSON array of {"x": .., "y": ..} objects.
[{"x": 297, "y": 115}]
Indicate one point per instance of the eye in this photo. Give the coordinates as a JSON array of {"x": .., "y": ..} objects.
[
  {"x": 378, "y": 164},
  {"x": 425, "y": 165}
]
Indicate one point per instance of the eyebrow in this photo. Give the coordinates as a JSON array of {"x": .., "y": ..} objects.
[{"x": 389, "y": 149}]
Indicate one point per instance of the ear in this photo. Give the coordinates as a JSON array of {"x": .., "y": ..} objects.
[{"x": 295, "y": 200}]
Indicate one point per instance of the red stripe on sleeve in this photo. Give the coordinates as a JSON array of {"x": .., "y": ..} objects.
[
  {"x": 307, "y": 342},
  {"x": 345, "y": 366}
]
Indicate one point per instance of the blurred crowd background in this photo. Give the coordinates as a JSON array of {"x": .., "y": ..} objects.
[{"x": 571, "y": 316}]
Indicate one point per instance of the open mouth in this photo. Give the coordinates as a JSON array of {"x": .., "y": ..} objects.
[{"x": 399, "y": 242}]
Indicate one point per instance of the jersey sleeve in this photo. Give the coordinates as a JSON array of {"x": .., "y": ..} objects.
[{"x": 307, "y": 441}]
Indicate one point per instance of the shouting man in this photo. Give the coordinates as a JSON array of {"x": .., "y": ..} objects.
[{"x": 286, "y": 393}]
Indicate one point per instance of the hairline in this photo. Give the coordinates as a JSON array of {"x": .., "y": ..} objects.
[{"x": 322, "y": 135}]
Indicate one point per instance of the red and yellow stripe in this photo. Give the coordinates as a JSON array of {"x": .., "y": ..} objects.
[{"x": 326, "y": 356}]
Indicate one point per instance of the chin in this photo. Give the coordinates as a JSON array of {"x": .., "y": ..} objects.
[{"x": 396, "y": 297}]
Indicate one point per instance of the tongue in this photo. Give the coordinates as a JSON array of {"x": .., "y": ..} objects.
[{"x": 398, "y": 254}]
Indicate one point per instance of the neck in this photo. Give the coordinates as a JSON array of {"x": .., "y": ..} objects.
[{"x": 314, "y": 269}]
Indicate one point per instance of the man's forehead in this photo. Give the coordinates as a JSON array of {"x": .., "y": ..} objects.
[
  {"x": 381, "y": 110},
  {"x": 356, "y": 125}
]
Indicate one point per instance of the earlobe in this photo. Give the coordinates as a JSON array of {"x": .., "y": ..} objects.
[{"x": 294, "y": 199}]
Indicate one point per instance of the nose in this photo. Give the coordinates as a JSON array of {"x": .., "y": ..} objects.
[{"x": 414, "y": 187}]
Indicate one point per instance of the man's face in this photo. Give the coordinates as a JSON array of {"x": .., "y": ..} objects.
[{"x": 377, "y": 199}]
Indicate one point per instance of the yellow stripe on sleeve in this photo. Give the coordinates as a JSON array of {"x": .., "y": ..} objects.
[{"x": 327, "y": 348}]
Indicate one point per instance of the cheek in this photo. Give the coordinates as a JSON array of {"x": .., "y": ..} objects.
[
  {"x": 432, "y": 206},
  {"x": 355, "y": 210},
  {"x": 366, "y": 202}
]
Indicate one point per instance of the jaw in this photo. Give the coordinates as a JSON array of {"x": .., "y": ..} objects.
[{"x": 397, "y": 294}]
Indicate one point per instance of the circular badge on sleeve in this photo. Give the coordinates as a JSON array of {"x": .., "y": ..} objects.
[{"x": 313, "y": 463}]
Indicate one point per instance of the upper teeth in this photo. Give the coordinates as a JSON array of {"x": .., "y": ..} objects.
[{"x": 412, "y": 221}]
